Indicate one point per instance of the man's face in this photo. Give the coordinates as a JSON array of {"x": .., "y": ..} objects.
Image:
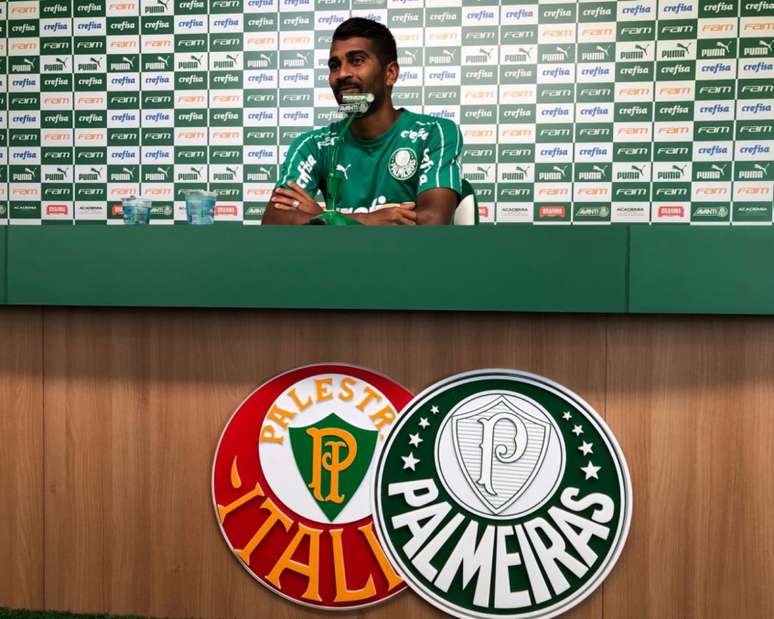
[{"x": 355, "y": 67}]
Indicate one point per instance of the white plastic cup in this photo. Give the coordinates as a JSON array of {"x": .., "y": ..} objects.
[
  {"x": 136, "y": 211},
  {"x": 200, "y": 206}
]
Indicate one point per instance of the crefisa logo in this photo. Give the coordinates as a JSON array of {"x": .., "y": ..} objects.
[
  {"x": 292, "y": 481},
  {"x": 500, "y": 493}
]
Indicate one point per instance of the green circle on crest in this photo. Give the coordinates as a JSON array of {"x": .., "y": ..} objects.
[{"x": 502, "y": 494}]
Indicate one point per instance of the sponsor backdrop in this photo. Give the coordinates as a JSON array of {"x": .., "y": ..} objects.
[{"x": 572, "y": 112}]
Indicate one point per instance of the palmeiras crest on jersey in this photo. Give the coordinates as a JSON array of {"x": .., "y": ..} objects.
[
  {"x": 403, "y": 164},
  {"x": 502, "y": 494},
  {"x": 291, "y": 484}
]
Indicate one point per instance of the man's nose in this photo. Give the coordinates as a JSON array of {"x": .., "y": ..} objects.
[{"x": 345, "y": 71}]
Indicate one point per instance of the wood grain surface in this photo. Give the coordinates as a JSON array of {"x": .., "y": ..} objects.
[
  {"x": 134, "y": 402},
  {"x": 692, "y": 403},
  {"x": 21, "y": 459}
]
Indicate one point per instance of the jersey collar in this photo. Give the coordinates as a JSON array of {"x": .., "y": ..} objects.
[{"x": 401, "y": 123}]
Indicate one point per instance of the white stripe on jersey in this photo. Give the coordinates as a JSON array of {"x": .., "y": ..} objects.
[
  {"x": 440, "y": 159},
  {"x": 456, "y": 162},
  {"x": 457, "y": 158}
]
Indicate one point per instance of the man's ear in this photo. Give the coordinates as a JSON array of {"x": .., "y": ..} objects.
[{"x": 391, "y": 73}]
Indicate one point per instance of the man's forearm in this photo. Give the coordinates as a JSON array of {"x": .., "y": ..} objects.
[
  {"x": 280, "y": 217},
  {"x": 435, "y": 207},
  {"x": 360, "y": 218},
  {"x": 441, "y": 216}
]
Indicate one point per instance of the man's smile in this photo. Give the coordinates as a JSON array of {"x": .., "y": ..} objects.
[{"x": 348, "y": 87}]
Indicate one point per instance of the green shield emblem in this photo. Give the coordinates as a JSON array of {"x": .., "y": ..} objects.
[{"x": 333, "y": 457}]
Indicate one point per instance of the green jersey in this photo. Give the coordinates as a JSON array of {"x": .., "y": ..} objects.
[{"x": 417, "y": 153}]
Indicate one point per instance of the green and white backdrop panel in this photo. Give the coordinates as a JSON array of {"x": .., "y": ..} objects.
[{"x": 641, "y": 111}]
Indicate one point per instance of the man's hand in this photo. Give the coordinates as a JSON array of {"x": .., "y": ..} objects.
[
  {"x": 291, "y": 205},
  {"x": 402, "y": 215},
  {"x": 294, "y": 197}
]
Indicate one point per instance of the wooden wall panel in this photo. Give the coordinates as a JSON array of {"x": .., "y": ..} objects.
[
  {"x": 140, "y": 399},
  {"x": 692, "y": 403},
  {"x": 97, "y": 465},
  {"x": 135, "y": 400},
  {"x": 21, "y": 459}
]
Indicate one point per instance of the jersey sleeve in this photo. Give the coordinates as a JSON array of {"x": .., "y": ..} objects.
[
  {"x": 440, "y": 165},
  {"x": 303, "y": 165}
]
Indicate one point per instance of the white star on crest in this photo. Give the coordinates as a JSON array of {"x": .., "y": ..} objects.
[
  {"x": 409, "y": 461},
  {"x": 567, "y": 416},
  {"x": 586, "y": 448},
  {"x": 589, "y": 469},
  {"x": 414, "y": 440},
  {"x": 434, "y": 409},
  {"x": 577, "y": 430},
  {"x": 423, "y": 422}
]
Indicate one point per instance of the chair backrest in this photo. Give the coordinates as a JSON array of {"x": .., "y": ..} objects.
[{"x": 466, "y": 213}]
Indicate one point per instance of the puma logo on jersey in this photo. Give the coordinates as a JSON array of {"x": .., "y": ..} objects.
[{"x": 343, "y": 169}]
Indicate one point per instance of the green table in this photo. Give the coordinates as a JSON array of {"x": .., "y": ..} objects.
[
  {"x": 703, "y": 271},
  {"x": 500, "y": 268},
  {"x": 609, "y": 269}
]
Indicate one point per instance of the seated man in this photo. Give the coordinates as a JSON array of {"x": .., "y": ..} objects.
[{"x": 396, "y": 167}]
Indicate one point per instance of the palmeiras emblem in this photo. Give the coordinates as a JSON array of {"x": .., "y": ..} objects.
[
  {"x": 403, "y": 164},
  {"x": 499, "y": 494}
]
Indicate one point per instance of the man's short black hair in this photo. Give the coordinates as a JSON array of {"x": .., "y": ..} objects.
[{"x": 380, "y": 36}]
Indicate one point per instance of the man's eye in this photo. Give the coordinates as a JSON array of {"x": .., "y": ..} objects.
[{"x": 357, "y": 61}]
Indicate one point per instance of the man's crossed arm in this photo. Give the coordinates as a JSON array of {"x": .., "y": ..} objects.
[{"x": 293, "y": 206}]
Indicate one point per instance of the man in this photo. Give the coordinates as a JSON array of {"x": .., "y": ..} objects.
[{"x": 396, "y": 167}]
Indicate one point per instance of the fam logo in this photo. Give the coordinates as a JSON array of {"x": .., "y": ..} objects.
[
  {"x": 502, "y": 493},
  {"x": 292, "y": 481}
]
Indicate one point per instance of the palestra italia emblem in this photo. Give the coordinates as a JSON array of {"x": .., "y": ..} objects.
[
  {"x": 502, "y": 494},
  {"x": 292, "y": 479}
]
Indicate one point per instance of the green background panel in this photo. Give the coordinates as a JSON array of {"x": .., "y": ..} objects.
[
  {"x": 701, "y": 270},
  {"x": 676, "y": 63},
  {"x": 503, "y": 268}
]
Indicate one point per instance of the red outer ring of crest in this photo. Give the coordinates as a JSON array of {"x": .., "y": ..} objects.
[{"x": 240, "y": 439}]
